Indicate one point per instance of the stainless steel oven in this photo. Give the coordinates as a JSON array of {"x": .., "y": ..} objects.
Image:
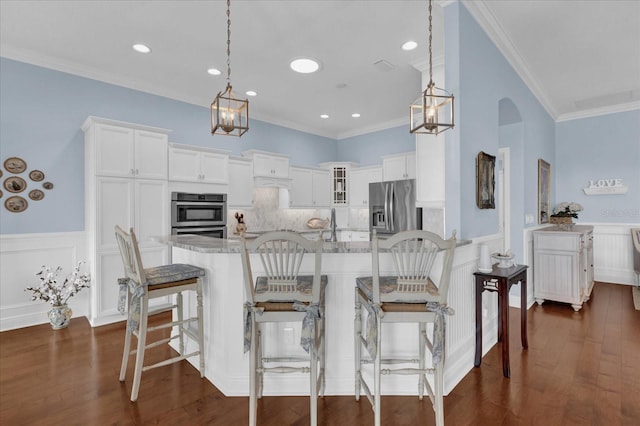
[{"x": 203, "y": 214}]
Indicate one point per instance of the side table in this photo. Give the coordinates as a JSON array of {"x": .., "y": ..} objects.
[{"x": 500, "y": 280}]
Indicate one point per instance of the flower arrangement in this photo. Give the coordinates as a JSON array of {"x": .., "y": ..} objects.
[
  {"x": 56, "y": 293},
  {"x": 566, "y": 209}
]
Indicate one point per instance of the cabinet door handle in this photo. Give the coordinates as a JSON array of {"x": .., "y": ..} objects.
[
  {"x": 132, "y": 172},
  {"x": 137, "y": 172}
]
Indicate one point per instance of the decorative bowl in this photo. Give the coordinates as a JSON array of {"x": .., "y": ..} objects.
[
  {"x": 505, "y": 260},
  {"x": 317, "y": 223}
]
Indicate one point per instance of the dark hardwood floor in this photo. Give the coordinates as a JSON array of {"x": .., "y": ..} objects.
[{"x": 580, "y": 369}]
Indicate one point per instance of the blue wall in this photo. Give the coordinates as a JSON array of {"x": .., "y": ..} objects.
[
  {"x": 367, "y": 149},
  {"x": 41, "y": 112},
  {"x": 604, "y": 147},
  {"x": 480, "y": 77}
]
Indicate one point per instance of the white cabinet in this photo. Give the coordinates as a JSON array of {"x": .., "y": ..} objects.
[
  {"x": 563, "y": 264},
  {"x": 430, "y": 176},
  {"x": 126, "y": 200},
  {"x": 127, "y": 152},
  {"x": 267, "y": 164},
  {"x": 309, "y": 187},
  {"x": 240, "y": 193},
  {"x": 195, "y": 164},
  {"x": 360, "y": 179},
  {"x": 340, "y": 175},
  {"x": 399, "y": 166}
]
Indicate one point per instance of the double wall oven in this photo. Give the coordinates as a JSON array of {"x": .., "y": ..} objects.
[{"x": 201, "y": 214}]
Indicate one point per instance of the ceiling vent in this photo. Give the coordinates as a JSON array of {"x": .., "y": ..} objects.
[{"x": 383, "y": 65}]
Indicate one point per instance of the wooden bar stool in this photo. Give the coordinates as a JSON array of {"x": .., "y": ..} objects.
[
  {"x": 408, "y": 295},
  {"x": 138, "y": 287},
  {"x": 282, "y": 294}
]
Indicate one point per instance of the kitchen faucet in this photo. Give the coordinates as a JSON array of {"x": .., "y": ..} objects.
[{"x": 333, "y": 226}]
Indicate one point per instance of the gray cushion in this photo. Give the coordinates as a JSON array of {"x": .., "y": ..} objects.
[
  {"x": 304, "y": 285},
  {"x": 171, "y": 273},
  {"x": 389, "y": 284}
]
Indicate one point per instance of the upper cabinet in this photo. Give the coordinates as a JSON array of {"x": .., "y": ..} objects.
[
  {"x": 126, "y": 150},
  {"x": 196, "y": 164},
  {"x": 309, "y": 187},
  {"x": 240, "y": 193},
  {"x": 399, "y": 166},
  {"x": 361, "y": 177},
  {"x": 340, "y": 175},
  {"x": 268, "y": 164}
]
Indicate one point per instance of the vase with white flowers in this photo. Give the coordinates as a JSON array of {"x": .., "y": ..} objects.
[
  {"x": 57, "y": 292},
  {"x": 565, "y": 212}
]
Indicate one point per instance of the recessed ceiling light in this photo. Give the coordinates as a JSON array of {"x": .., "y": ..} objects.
[
  {"x": 251, "y": 93},
  {"x": 214, "y": 71},
  {"x": 410, "y": 45},
  {"x": 305, "y": 65},
  {"x": 324, "y": 116},
  {"x": 141, "y": 48},
  {"x": 355, "y": 115}
]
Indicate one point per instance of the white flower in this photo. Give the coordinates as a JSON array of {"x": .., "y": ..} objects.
[{"x": 50, "y": 290}]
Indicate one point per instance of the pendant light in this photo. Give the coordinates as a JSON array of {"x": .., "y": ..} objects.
[
  {"x": 229, "y": 115},
  {"x": 432, "y": 113}
]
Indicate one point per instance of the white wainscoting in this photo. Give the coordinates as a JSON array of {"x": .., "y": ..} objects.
[{"x": 21, "y": 257}]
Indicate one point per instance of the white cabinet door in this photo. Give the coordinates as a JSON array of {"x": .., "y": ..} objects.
[
  {"x": 192, "y": 165},
  {"x": 240, "y": 183},
  {"x": 150, "y": 155},
  {"x": 114, "y": 151},
  {"x": 151, "y": 207},
  {"x": 214, "y": 167},
  {"x": 114, "y": 207},
  {"x": 359, "y": 182},
  {"x": 126, "y": 152},
  {"x": 359, "y": 236},
  {"x": 184, "y": 165},
  {"x": 301, "y": 194},
  {"x": 321, "y": 188},
  {"x": 398, "y": 167},
  {"x": 265, "y": 165}
]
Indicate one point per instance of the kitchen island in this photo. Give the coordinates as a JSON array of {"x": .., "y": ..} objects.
[{"x": 226, "y": 365}]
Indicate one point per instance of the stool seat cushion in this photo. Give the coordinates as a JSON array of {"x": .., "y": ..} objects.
[
  {"x": 304, "y": 286},
  {"x": 171, "y": 273},
  {"x": 388, "y": 285}
]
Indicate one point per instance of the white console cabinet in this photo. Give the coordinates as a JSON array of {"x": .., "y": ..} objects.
[
  {"x": 131, "y": 193},
  {"x": 563, "y": 264}
]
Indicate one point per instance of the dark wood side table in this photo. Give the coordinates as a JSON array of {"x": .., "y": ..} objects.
[{"x": 500, "y": 280}]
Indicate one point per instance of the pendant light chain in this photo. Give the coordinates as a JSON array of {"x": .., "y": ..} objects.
[
  {"x": 430, "y": 53},
  {"x": 228, "y": 42}
]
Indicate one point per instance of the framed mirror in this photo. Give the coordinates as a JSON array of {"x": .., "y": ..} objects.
[
  {"x": 485, "y": 181},
  {"x": 544, "y": 191}
]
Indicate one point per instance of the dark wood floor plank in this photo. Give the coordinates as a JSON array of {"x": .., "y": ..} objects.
[{"x": 581, "y": 368}]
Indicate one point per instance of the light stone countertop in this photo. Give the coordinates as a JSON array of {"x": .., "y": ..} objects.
[{"x": 202, "y": 244}]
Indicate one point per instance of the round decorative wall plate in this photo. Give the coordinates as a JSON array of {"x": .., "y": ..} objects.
[
  {"x": 15, "y": 165},
  {"x": 16, "y": 204},
  {"x": 36, "y": 175},
  {"x": 1, "y": 193},
  {"x": 15, "y": 184},
  {"x": 36, "y": 195},
  {"x": 47, "y": 185}
]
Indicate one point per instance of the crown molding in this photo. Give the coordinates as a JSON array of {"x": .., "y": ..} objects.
[
  {"x": 493, "y": 29},
  {"x": 404, "y": 121},
  {"x": 595, "y": 112}
]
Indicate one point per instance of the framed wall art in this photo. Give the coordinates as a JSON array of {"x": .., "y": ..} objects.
[
  {"x": 544, "y": 191},
  {"x": 485, "y": 181}
]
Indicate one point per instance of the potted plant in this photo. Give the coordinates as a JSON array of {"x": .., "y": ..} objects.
[
  {"x": 564, "y": 213},
  {"x": 57, "y": 293}
]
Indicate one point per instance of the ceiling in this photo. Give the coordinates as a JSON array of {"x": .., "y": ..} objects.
[{"x": 578, "y": 57}]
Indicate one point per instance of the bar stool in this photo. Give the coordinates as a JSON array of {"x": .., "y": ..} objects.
[
  {"x": 407, "y": 295},
  {"x": 282, "y": 294},
  {"x": 138, "y": 287}
]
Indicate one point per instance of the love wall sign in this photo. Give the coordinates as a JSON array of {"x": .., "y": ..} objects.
[{"x": 605, "y": 187}]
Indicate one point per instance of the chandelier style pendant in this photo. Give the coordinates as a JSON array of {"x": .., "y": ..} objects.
[
  {"x": 432, "y": 113},
  {"x": 229, "y": 115}
]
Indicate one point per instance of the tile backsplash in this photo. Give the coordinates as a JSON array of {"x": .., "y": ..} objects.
[{"x": 267, "y": 214}]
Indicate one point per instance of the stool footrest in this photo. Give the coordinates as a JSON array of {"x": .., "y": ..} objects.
[{"x": 170, "y": 361}]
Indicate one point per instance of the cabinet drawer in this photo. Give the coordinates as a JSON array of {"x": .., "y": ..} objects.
[{"x": 569, "y": 242}]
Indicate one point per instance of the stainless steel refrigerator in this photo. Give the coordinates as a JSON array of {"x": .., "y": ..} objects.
[{"x": 393, "y": 207}]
